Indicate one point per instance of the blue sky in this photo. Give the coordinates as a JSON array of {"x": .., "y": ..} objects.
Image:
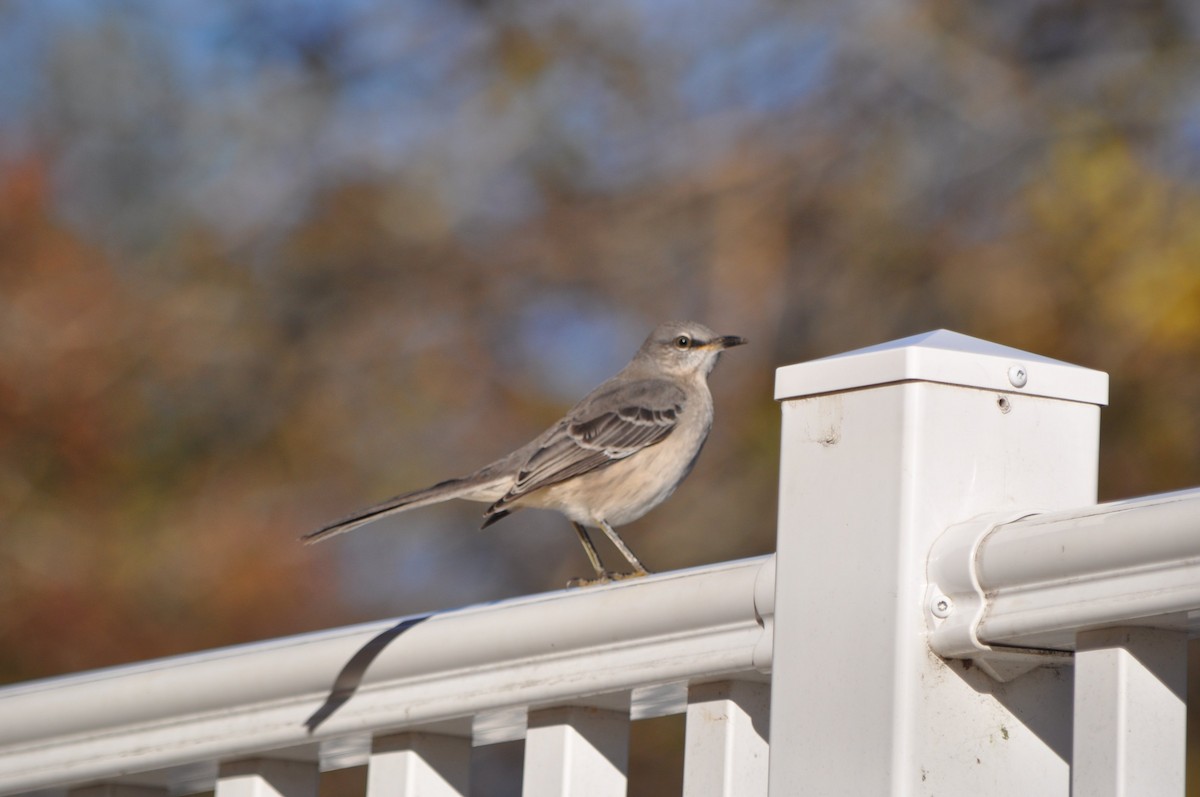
[{"x": 244, "y": 128}]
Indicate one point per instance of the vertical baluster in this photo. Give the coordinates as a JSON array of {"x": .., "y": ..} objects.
[
  {"x": 1130, "y": 712},
  {"x": 419, "y": 765},
  {"x": 267, "y": 777},
  {"x": 726, "y": 747},
  {"x": 573, "y": 751}
]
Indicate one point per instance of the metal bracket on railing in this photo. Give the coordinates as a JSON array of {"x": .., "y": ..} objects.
[{"x": 956, "y": 602}]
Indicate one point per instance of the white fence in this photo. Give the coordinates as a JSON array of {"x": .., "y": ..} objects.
[{"x": 948, "y": 612}]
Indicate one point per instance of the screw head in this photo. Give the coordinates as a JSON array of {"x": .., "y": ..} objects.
[
  {"x": 1017, "y": 375},
  {"x": 941, "y": 606}
]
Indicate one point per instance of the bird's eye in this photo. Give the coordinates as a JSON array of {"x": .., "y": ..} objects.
[{"x": 683, "y": 342}]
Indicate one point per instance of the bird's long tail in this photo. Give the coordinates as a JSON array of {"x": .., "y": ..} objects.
[{"x": 470, "y": 487}]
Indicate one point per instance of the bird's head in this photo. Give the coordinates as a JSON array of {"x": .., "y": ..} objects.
[{"x": 684, "y": 348}]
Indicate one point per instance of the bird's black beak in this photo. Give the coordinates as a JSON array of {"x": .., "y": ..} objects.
[{"x": 728, "y": 342}]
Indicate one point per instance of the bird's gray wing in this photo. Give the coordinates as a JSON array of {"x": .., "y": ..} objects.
[{"x": 606, "y": 427}]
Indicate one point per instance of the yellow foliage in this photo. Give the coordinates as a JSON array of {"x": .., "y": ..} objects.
[{"x": 1128, "y": 231}]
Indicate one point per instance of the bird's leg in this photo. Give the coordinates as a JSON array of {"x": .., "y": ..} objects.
[
  {"x": 638, "y": 568},
  {"x": 602, "y": 575}
]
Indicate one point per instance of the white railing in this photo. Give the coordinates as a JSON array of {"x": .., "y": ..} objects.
[
  {"x": 486, "y": 674},
  {"x": 948, "y": 612}
]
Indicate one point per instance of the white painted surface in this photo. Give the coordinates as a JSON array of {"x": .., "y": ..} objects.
[
  {"x": 1130, "y": 713},
  {"x": 1033, "y": 582},
  {"x": 267, "y": 777},
  {"x": 948, "y": 358},
  {"x": 576, "y": 751},
  {"x": 727, "y": 749},
  {"x": 872, "y": 470},
  {"x": 490, "y": 660},
  {"x": 419, "y": 765}
]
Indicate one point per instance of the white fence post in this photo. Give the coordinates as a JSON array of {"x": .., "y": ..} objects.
[
  {"x": 882, "y": 449},
  {"x": 1130, "y": 712}
]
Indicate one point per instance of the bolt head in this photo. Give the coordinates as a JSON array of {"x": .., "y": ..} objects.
[
  {"x": 1017, "y": 375},
  {"x": 941, "y": 606}
]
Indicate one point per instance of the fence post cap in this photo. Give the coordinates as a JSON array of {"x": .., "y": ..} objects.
[{"x": 948, "y": 358}]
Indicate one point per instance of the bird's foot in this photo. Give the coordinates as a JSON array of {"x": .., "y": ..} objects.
[
  {"x": 600, "y": 578},
  {"x": 607, "y": 577}
]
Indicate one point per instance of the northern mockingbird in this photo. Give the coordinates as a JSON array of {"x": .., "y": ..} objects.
[{"x": 616, "y": 455}]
